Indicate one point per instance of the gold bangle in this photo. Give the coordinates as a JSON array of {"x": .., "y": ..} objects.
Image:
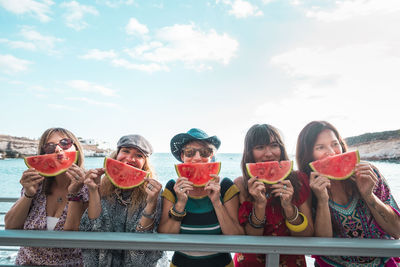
[
  {"x": 141, "y": 228},
  {"x": 295, "y": 216},
  {"x": 298, "y": 228}
]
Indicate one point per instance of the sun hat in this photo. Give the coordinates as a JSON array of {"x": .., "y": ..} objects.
[
  {"x": 180, "y": 140},
  {"x": 136, "y": 141}
]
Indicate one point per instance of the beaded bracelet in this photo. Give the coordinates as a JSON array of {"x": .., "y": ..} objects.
[
  {"x": 28, "y": 196},
  {"x": 149, "y": 216},
  {"x": 296, "y": 215},
  {"x": 298, "y": 228},
  {"x": 182, "y": 213},
  {"x": 74, "y": 197},
  {"x": 177, "y": 216},
  {"x": 258, "y": 220},
  {"x": 254, "y": 225}
]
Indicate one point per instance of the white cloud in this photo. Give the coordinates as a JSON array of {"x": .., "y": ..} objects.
[
  {"x": 74, "y": 17},
  {"x": 62, "y": 107},
  {"x": 19, "y": 44},
  {"x": 40, "y": 41},
  {"x": 10, "y": 64},
  {"x": 347, "y": 9},
  {"x": 86, "y": 86},
  {"x": 135, "y": 27},
  {"x": 243, "y": 9},
  {"x": 151, "y": 67},
  {"x": 187, "y": 44},
  {"x": 93, "y": 102},
  {"x": 99, "y": 54},
  {"x": 39, "y": 9},
  {"x": 116, "y": 3}
]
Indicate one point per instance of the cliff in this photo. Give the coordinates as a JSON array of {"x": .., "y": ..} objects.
[
  {"x": 377, "y": 146},
  {"x": 17, "y": 147}
]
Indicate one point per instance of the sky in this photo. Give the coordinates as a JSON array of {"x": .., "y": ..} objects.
[{"x": 104, "y": 69}]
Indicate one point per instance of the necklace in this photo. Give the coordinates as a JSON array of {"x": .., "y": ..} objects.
[
  {"x": 59, "y": 200},
  {"x": 120, "y": 199}
]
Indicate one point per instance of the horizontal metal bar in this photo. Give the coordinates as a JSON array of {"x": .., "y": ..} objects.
[
  {"x": 223, "y": 243},
  {"x": 8, "y": 199}
]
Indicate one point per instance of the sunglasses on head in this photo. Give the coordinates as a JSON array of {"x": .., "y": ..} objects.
[
  {"x": 64, "y": 143},
  {"x": 205, "y": 152}
]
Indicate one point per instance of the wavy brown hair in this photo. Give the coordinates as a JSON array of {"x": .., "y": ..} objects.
[
  {"x": 43, "y": 141},
  {"x": 263, "y": 134},
  {"x": 138, "y": 195}
]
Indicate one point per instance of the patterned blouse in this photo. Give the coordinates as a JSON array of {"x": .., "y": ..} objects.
[
  {"x": 36, "y": 220},
  {"x": 115, "y": 217},
  {"x": 354, "y": 220}
]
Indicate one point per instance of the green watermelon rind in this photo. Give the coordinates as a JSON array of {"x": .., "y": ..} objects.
[
  {"x": 123, "y": 187},
  {"x": 197, "y": 185},
  {"x": 335, "y": 177},
  {"x": 267, "y": 181},
  {"x": 61, "y": 171}
]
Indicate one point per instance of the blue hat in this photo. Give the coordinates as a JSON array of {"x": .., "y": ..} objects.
[{"x": 180, "y": 140}]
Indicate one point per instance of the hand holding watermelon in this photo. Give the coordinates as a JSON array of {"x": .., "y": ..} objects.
[
  {"x": 257, "y": 190},
  {"x": 319, "y": 185},
  {"x": 365, "y": 179},
  {"x": 93, "y": 177},
  {"x": 30, "y": 180},
  {"x": 213, "y": 188},
  {"x": 182, "y": 188},
  {"x": 77, "y": 176},
  {"x": 284, "y": 190},
  {"x": 153, "y": 188}
]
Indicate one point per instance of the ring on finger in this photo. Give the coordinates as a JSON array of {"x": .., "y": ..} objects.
[
  {"x": 284, "y": 187},
  {"x": 77, "y": 177},
  {"x": 150, "y": 186},
  {"x": 280, "y": 194},
  {"x": 181, "y": 188}
]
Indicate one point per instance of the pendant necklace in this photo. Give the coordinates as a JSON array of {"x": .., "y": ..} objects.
[{"x": 59, "y": 200}]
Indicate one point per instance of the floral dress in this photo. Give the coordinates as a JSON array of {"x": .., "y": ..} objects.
[
  {"x": 36, "y": 220},
  {"x": 275, "y": 226}
]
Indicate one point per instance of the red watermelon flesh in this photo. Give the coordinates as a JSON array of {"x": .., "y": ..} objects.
[
  {"x": 123, "y": 175},
  {"x": 52, "y": 164},
  {"x": 270, "y": 172},
  {"x": 337, "y": 167},
  {"x": 198, "y": 173}
]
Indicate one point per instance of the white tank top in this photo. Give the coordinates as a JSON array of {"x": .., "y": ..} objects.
[{"x": 51, "y": 222}]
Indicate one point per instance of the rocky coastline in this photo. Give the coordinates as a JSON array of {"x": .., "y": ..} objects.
[
  {"x": 19, "y": 147},
  {"x": 384, "y": 146}
]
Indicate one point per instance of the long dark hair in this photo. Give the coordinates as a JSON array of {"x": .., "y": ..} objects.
[{"x": 262, "y": 134}]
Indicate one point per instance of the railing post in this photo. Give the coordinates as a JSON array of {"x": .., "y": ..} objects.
[{"x": 272, "y": 260}]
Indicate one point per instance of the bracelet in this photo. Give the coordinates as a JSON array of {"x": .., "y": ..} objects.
[
  {"x": 298, "y": 228},
  {"x": 74, "y": 197},
  {"x": 175, "y": 216},
  {"x": 182, "y": 213},
  {"x": 296, "y": 215},
  {"x": 258, "y": 220},
  {"x": 254, "y": 225},
  {"x": 141, "y": 228},
  {"x": 149, "y": 216},
  {"x": 28, "y": 196}
]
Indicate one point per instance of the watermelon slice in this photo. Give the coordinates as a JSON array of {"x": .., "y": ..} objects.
[
  {"x": 338, "y": 167},
  {"x": 270, "y": 172},
  {"x": 123, "y": 175},
  {"x": 198, "y": 173},
  {"x": 52, "y": 164}
]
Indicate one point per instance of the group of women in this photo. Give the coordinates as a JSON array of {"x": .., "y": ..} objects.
[{"x": 304, "y": 204}]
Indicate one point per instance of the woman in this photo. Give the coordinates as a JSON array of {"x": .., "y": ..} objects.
[
  {"x": 211, "y": 209},
  {"x": 359, "y": 207},
  {"x": 123, "y": 210},
  {"x": 44, "y": 202},
  {"x": 281, "y": 209}
]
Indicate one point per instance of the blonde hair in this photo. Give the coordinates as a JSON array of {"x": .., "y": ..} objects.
[
  {"x": 138, "y": 195},
  {"x": 42, "y": 142}
]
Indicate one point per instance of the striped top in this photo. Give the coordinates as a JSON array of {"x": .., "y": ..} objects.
[{"x": 200, "y": 214}]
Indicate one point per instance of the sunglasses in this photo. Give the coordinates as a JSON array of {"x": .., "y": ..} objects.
[
  {"x": 191, "y": 152},
  {"x": 64, "y": 143}
]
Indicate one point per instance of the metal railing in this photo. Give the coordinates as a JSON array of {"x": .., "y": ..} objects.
[{"x": 270, "y": 245}]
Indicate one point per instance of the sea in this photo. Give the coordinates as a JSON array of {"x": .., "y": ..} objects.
[{"x": 163, "y": 163}]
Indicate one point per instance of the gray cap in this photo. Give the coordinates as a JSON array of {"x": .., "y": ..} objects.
[{"x": 136, "y": 141}]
